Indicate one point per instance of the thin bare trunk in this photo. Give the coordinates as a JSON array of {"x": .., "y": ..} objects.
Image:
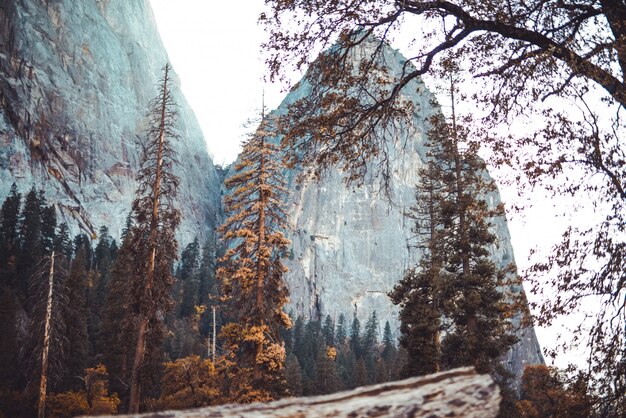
[
  {"x": 140, "y": 349},
  {"x": 46, "y": 344},
  {"x": 214, "y": 334}
]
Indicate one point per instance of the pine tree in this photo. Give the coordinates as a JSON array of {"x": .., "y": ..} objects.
[
  {"x": 355, "y": 337},
  {"x": 252, "y": 271},
  {"x": 342, "y": 332},
  {"x": 119, "y": 326},
  {"x": 190, "y": 264},
  {"x": 9, "y": 304},
  {"x": 63, "y": 244},
  {"x": 389, "y": 348},
  {"x": 97, "y": 292},
  {"x": 370, "y": 346},
  {"x": 417, "y": 292},
  {"x": 293, "y": 375},
  {"x": 208, "y": 285},
  {"x": 329, "y": 331},
  {"x": 471, "y": 295},
  {"x": 152, "y": 237},
  {"x": 9, "y": 238},
  {"x": 30, "y": 251},
  {"x": 76, "y": 323}
]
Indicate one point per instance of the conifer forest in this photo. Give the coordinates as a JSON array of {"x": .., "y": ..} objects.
[{"x": 358, "y": 238}]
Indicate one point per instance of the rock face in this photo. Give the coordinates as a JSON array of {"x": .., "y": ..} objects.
[
  {"x": 75, "y": 81},
  {"x": 351, "y": 245},
  {"x": 453, "y": 393}
]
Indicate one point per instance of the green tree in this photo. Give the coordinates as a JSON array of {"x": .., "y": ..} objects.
[
  {"x": 97, "y": 291},
  {"x": 293, "y": 375},
  {"x": 342, "y": 332},
  {"x": 9, "y": 303},
  {"x": 252, "y": 271},
  {"x": 75, "y": 313},
  {"x": 329, "y": 331},
  {"x": 30, "y": 251},
  {"x": 9, "y": 238},
  {"x": 355, "y": 337},
  {"x": 152, "y": 236},
  {"x": 370, "y": 346},
  {"x": 418, "y": 292},
  {"x": 471, "y": 295},
  {"x": 389, "y": 347},
  {"x": 190, "y": 264},
  {"x": 119, "y": 321}
]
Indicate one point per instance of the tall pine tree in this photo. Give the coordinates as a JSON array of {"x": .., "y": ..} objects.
[
  {"x": 152, "y": 236},
  {"x": 252, "y": 271},
  {"x": 456, "y": 279}
]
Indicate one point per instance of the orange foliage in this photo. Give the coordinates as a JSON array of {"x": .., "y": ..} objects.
[
  {"x": 544, "y": 394},
  {"x": 93, "y": 400}
]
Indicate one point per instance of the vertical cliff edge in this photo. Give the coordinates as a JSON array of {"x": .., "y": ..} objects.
[{"x": 75, "y": 81}]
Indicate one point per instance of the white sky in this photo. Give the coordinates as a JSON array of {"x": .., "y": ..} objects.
[
  {"x": 215, "y": 49},
  {"x": 214, "y": 46}
]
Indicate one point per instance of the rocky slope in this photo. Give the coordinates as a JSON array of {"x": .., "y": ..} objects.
[
  {"x": 351, "y": 245},
  {"x": 75, "y": 81}
]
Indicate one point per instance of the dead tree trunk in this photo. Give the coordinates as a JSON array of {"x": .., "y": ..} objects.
[{"x": 46, "y": 345}]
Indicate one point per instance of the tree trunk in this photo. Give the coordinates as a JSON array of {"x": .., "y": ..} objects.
[
  {"x": 46, "y": 345},
  {"x": 453, "y": 393}
]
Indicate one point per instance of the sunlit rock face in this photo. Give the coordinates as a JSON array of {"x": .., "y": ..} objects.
[
  {"x": 351, "y": 245},
  {"x": 75, "y": 81}
]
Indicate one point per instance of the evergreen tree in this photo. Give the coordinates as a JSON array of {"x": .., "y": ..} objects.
[
  {"x": 152, "y": 235},
  {"x": 478, "y": 311},
  {"x": 370, "y": 346},
  {"x": 9, "y": 238},
  {"x": 252, "y": 271},
  {"x": 48, "y": 225},
  {"x": 9, "y": 304},
  {"x": 76, "y": 323},
  {"x": 298, "y": 337},
  {"x": 342, "y": 332},
  {"x": 190, "y": 263},
  {"x": 293, "y": 375},
  {"x": 63, "y": 244},
  {"x": 97, "y": 292},
  {"x": 208, "y": 285},
  {"x": 30, "y": 252},
  {"x": 326, "y": 378},
  {"x": 389, "y": 348},
  {"x": 355, "y": 337},
  {"x": 119, "y": 321},
  {"x": 329, "y": 331},
  {"x": 417, "y": 292}
]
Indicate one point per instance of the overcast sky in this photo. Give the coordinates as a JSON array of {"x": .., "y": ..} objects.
[{"x": 215, "y": 49}]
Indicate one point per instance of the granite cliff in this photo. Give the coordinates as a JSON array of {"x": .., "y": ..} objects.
[
  {"x": 350, "y": 245},
  {"x": 75, "y": 81}
]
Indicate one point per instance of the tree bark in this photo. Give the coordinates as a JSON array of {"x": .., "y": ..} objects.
[{"x": 453, "y": 393}]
